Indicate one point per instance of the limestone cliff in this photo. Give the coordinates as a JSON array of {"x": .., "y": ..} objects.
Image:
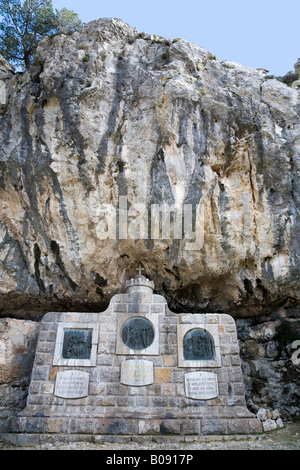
[{"x": 110, "y": 112}]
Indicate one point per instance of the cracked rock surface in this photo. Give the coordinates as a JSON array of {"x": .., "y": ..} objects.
[{"x": 111, "y": 112}]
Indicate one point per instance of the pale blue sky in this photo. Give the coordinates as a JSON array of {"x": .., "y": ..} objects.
[{"x": 256, "y": 33}]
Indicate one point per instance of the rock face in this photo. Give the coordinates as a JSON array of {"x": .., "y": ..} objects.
[
  {"x": 109, "y": 112},
  {"x": 18, "y": 340},
  {"x": 109, "y": 119},
  {"x": 270, "y": 361}
]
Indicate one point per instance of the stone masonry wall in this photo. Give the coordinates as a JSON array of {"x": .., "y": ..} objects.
[{"x": 112, "y": 407}]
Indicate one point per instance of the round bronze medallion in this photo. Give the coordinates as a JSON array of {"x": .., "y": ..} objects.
[{"x": 138, "y": 333}]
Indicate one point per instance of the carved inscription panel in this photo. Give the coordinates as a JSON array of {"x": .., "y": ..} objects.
[
  {"x": 201, "y": 385},
  {"x": 137, "y": 372},
  {"x": 71, "y": 384}
]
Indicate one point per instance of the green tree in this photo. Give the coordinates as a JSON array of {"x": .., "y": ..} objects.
[
  {"x": 67, "y": 21},
  {"x": 24, "y": 24}
]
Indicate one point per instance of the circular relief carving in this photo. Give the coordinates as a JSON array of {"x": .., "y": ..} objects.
[{"x": 138, "y": 333}]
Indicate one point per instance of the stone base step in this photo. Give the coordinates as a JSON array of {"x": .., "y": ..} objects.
[
  {"x": 33, "y": 440},
  {"x": 129, "y": 426}
]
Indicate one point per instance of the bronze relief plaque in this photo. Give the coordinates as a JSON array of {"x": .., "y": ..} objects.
[
  {"x": 77, "y": 344},
  {"x": 198, "y": 345},
  {"x": 138, "y": 333}
]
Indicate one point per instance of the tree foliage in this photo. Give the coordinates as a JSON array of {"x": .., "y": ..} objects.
[
  {"x": 24, "y": 23},
  {"x": 67, "y": 21}
]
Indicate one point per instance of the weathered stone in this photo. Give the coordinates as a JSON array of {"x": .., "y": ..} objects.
[
  {"x": 17, "y": 348},
  {"x": 275, "y": 414},
  {"x": 269, "y": 425},
  {"x": 2, "y": 93},
  {"x": 271, "y": 379},
  {"x": 297, "y": 66},
  {"x": 262, "y": 414},
  {"x": 215, "y": 134},
  {"x": 223, "y": 136},
  {"x": 279, "y": 423}
]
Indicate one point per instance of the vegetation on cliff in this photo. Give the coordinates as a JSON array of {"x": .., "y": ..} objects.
[{"x": 24, "y": 24}]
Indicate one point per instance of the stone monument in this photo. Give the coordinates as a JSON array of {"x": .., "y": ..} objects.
[{"x": 137, "y": 368}]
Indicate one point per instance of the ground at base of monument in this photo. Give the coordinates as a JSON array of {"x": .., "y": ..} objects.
[{"x": 287, "y": 438}]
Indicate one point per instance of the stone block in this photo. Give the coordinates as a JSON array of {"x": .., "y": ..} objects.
[
  {"x": 243, "y": 412},
  {"x": 145, "y": 308},
  {"x": 149, "y": 426},
  {"x": 85, "y": 426},
  {"x": 53, "y": 372},
  {"x": 163, "y": 375},
  {"x": 143, "y": 401},
  {"x": 238, "y": 426},
  {"x": 121, "y": 307},
  {"x": 160, "y": 402},
  {"x": 169, "y": 426},
  {"x": 213, "y": 426},
  {"x": 262, "y": 414},
  {"x": 157, "y": 308},
  {"x": 235, "y": 360},
  {"x": 191, "y": 427},
  {"x": 210, "y": 412},
  {"x": 154, "y": 390},
  {"x": 124, "y": 401},
  {"x": 275, "y": 414},
  {"x": 170, "y": 360},
  {"x": 255, "y": 426},
  {"x": 235, "y": 375},
  {"x": 227, "y": 412},
  {"x": 116, "y": 389},
  {"x": 35, "y": 425},
  {"x": 121, "y": 427},
  {"x": 47, "y": 387},
  {"x": 269, "y": 425},
  {"x": 279, "y": 423},
  {"x": 96, "y": 388},
  {"x": 40, "y": 373},
  {"x": 57, "y": 425},
  {"x": 212, "y": 318},
  {"x": 169, "y": 389},
  {"x": 34, "y": 387},
  {"x": 227, "y": 319},
  {"x": 50, "y": 317}
]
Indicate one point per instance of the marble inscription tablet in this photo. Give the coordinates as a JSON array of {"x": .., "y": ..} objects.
[
  {"x": 71, "y": 384},
  {"x": 137, "y": 372},
  {"x": 201, "y": 385}
]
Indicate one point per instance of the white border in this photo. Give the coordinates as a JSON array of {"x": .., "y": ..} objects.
[
  {"x": 211, "y": 328},
  {"x": 152, "y": 350}
]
